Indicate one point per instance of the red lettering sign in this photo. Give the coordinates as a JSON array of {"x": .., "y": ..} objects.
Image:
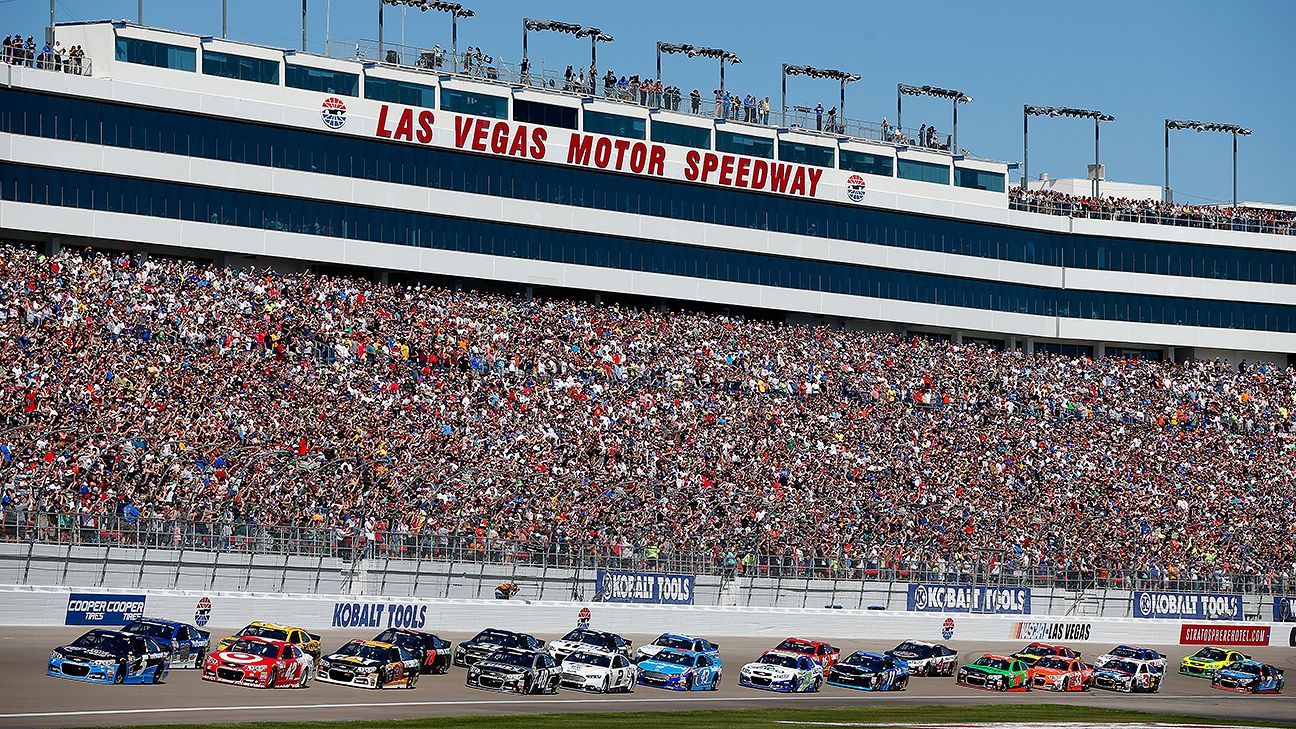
[{"x": 1219, "y": 634}]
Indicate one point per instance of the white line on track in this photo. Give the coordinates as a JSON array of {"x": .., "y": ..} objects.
[{"x": 534, "y": 703}]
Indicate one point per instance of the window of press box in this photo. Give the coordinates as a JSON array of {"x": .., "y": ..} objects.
[
  {"x": 1153, "y": 355},
  {"x": 399, "y": 92},
  {"x": 466, "y": 102},
  {"x": 161, "y": 55},
  {"x": 869, "y": 164},
  {"x": 735, "y": 143},
  {"x": 1066, "y": 350},
  {"x": 243, "y": 68},
  {"x": 681, "y": 134},
  {"x": 807, "y": 154},
  {"x": 614, "y": 125},
  {"x": 912, "y": 169},
  {"x": 978, "y": 179},
  {"x": 553, "y": 115},
  {"x": 322, "y": 80}
]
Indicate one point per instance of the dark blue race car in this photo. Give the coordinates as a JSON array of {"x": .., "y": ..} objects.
[
  {"x": 111, "y": 656},
  {"x": 869, "y": 672},
  {"x": 188, "y": 644}
]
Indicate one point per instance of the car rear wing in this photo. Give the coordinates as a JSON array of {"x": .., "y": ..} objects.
[{"x": 314, "y": 636}]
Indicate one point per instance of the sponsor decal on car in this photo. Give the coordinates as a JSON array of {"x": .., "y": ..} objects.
[
  {"x": 85, "y": 608},
  {"x": 1192, "y": 634},
  {"x": 378, "y": 615},
  {"x": 1040, "y": 630}
]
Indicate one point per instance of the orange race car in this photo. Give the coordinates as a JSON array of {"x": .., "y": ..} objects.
[{"x": 1055, "y": 673}]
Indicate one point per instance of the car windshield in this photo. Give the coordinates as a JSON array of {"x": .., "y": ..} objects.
[
  {"x": 1122, "y": 667},
  {"x": 795, "y": 646},
  {"x": 1040, "y": 650},
  {"x": 587, "y": 636},
  {"x": 1248, "y": 668},
  {"x": 152, "y": 630},
  {"x": 591, "y": 659},
  {"x": 989, "y": 662},
  {"x": 1057, "y": 663},
  {"x": 395, "y": 637},
  {"x": 1124, "y": 652},
  {"x": 921, "y": 651},
  {"x": 260, "y": 631},
  {"x": 114, "y": 644},
  {"x": 256, "y": 648},
  {"x": 678, "y": 659},
  {"x": 774, "y": 659},
  {"x": 863, "y": 661},
  {"x": 361, "y": 650},
  {"x": 1210, "y": 654},
  {"x": 497, "y": 638},
  {"x": 521, "y": 660},
  {"x": 669, "y": 642}
]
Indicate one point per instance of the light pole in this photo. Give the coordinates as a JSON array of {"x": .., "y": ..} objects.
[
  {"x": 1198, "y": 126},
  {"x": 455, "y": 10},
  {"x": 225, "y": 20},
  {"x": 580, "y": 31},
  {"x": 303, "y": 47},
  {"x": 955, "y": 98},
  {"x": 1097, "y": 116},
  {"x": 843, "y": 77},
  {"x": 694, "y": 52}
]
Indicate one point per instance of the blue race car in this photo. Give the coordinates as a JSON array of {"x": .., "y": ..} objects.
[
  {"x": 1250, "y": 677},
  {"x": 111, "y": 656},
  {"x": 870, "y": 672},
  {"x": 681, "y": 671},
  {"x": 686, "y": 643},
  {"x": 188, "y": 644}
]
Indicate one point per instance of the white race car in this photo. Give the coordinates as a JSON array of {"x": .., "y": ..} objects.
[
  {"x": 1136, "y": 654},
  {"x": 781, "y": 671},
  {"x": 926, "y": 659},
  {"x": 598, "y": 671},
  {"x": 584, "y": 639}
]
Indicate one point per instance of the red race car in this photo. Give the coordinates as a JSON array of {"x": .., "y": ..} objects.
[
  {"x": 260, "y": 662},
  {"x": 435, "y": 651},
  {"x": 1055, "y": 673},
  {"x": 1032, "y": 653},
  {"x": 818, "y": 651}
]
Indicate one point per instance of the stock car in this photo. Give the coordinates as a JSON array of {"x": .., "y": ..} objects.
[
  {"x": 686, "y": 643},
  {"x": 926, "y": 659},
  {"x": 1206, "y": 661},
  {"x": 778, "y": 671},
  {"x": 309, "y": 642},
  {"x": 598, "y": 671},
  {"x": 188, "y": 644},
  {"x": 818, "y": 651},
  {"x": 1136, "y": 654},
  {"x": 1250, "y": 677},
  {"x": 261, "y": 663},
  {"x": 518, "y": 671},
  {"x": 992, "y": 672},
  {"x": 1054, "y": 673},
  {"x": 435, "y": 651},
  {"x": 681, "y": 671},
  {"x": 111, "y": 656},
  {"x": 1128, "y": 676},
  {"x": 1037, "y": 650},
  {"x": 870, "y": 671},
  {"x": 584, "y": 639},
  {"x": 491, "y": 640},
  {"x": 370, "y": 664}
]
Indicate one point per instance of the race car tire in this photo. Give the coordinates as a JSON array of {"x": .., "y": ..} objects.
[
  {"x": 818, "y": 684},
  {"x": 305, "y": 680},
  {"x": 273, "y": 678},
  {"x": 715, "y": 682},
  {"x": 120, "y": 674},
  {"x": 903, "y": 684},
  {"x": 688, "y": 682},
  {"x": 199, "y": 657},
  {"x": 157, "y": 675},
  {"x": 382, "y": 680},
  {"x": 411, "y": 680},
  {"x": 607, "y": 685}
]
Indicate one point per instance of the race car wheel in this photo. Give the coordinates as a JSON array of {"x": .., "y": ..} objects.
[
  {"x": 157, "y": 674},
  {"x": 120, "y": 674},
  {"x": 411, "y": 680},
  {"x": 382, "y": 680},
  {"x": 607, "y": 685},
  {"x": 199, "y": 657},
  {"x": 818, "y": 684},
  {"x": 273, "y": 678},
  {"x": 715, "y": 683},
  {"x": 305, "y": 679}
]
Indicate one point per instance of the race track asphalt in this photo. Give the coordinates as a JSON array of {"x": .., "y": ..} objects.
[{"x": 32, "y": 699}]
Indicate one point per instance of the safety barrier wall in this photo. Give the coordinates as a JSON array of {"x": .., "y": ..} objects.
[{"x": 42, "y": 606}]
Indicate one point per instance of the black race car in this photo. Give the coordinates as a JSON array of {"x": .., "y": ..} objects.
[
  {"x": 517, "y": 671},
  {"x": 926, "y": 659},
  {"x": 490, "y": 640},
  {"x": 583, "y": 639},
  {"x": 435, "y": 651}
]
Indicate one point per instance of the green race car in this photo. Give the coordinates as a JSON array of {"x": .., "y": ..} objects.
[
  {"x": 995, "y": 673},
  {"x": 1205, "y": 662}
]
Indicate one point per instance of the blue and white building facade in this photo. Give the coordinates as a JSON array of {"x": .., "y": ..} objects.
[{"x": 228, "y": 151}]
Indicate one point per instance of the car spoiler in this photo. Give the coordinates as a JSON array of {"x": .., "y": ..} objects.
[
  {"x": 314, "y": 636},
  {"x": 204, "y": 634},
  {"x": 716, "y": 646}
]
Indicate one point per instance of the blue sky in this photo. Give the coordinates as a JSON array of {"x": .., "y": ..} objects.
[{"x": 1139, "y": 61}]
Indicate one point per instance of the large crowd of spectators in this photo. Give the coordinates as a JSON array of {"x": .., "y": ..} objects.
[
  {"x": 166, "y": 392},
  {"x": 1221, "y": 217}
]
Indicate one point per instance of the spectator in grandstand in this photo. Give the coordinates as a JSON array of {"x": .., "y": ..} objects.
[
  {"x": 819, "y": 112},
  {"x": 765, "y": 110},
  {"x": 695, "y": 101},
  {"x": 1281, "y": 222}
]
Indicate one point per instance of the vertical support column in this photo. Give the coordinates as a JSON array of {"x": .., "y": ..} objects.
[
  {"x": 722, "y": 74},
  {"x": 1025, "y": 148},
  {"x": 954, "y": 133},
  {"x": 224, "y": 18},
  {"x": 900, "y": 112},
  {"x": 783, "y": 100},
  {"x": 658, "y": 63},
  {"x": 1097, "y": 190},
  {"x": 1235, "y": 172},
  {"x": 49, "y": 29},
  {"x": 1165, "y": 184},
  {"x": 380, "y": 29},
  {"x": 454, "y": 42},
  {"x": 303, "y": 44}
]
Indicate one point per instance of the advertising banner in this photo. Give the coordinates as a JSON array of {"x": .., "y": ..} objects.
[
  {"x": 1052, "y": 632},
  {"x": 379, "y": 615},
  {"x": 1284, "y": 609},
  {"x": 85, "y": 608},
  {"x": 1223, "y": 634},
  {"x": 969, "y": 599},
  {"x": 644, "y": 587},
  {"x": 1187, "y": 606}
]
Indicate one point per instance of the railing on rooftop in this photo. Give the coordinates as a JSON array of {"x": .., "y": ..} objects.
[
  {"x": 348, "y": 545},
  {"x": 1191, "y": 218},
  {"x": 80, "y": 66}
]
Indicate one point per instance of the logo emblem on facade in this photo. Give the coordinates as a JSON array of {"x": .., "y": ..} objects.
[
  {"x": 947, "y": 630},
  {"x": 855, "y": 188},
  {"x": 202, "y": 611},
  {"x": 333, "y": 112}
]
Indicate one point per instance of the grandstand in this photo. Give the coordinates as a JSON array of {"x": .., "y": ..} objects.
[{"x": 322, "y": 306}]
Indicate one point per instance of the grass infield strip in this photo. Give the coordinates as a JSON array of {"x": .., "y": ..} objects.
[{"x": 880, "y": 716}]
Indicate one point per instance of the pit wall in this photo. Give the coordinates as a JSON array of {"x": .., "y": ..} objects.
[{"x": 56, "y": 606}]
